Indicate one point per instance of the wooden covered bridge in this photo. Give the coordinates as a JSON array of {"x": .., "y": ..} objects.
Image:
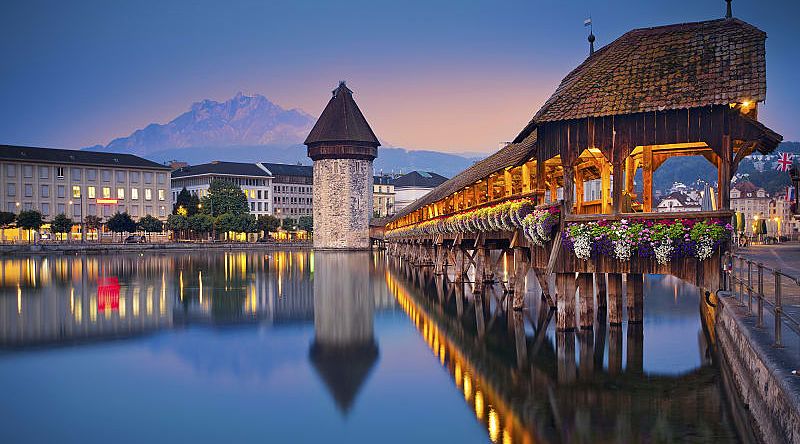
[{"x": 650, "y": 95}]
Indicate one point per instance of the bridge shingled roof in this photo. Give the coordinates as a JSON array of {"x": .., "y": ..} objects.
[
  {"x": 680, "y": 66},
  {"x": 510, "y": 155}
]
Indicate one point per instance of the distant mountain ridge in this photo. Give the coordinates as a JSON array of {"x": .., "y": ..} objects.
[
  {"x": 251, "y": 129},
  {"x": 241, "y": 120}
]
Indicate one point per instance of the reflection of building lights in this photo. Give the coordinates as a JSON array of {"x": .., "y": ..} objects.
[
  {"x": 479, "y": 404},
  {"x": 467, "y": 386},
  {"x": 19, "y": 300},
  {"x": 136, "y": 302},
  {"x": 200, "y": 278},
  {"x": 494, "y": 425},
  {"x": 149, "y": 301}
]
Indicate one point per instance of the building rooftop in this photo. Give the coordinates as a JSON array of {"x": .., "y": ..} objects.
[
  {"x": 682, "y": 198},
  {"x": 282, "y": 169},
  {"x": 65, "y": 156},
  {"x": 342, "y": 121},
  {"x": 419, "y": 179},
  {"x": 226, "y": 168}
]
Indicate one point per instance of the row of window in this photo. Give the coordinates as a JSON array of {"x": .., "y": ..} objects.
[
  {"x": 76, "y": 174},
  {"x": 292, "y": 189},
  {"x": 76, "y": 209},
  {"x": 91, "y": 191},
  {"x": 292, "y": 200}
]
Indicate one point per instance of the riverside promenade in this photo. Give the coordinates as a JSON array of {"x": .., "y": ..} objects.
[
  {"x": 105, "y": 248},
  {"x": 758, "y": 333}
]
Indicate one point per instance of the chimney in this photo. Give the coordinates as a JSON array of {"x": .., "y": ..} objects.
[{"x": 728, "y": 12}]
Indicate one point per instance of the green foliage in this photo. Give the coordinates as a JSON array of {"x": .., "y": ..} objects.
[
  {"x": 176, "y": 222},
  {"x": 7, "y": 218},
  {"x": 93, "y": 222},
  {"x": 247, "y": 223},
  {"x": 224, "y": 197},
  {"x": 61, "y": 224},
  {"x": 150, "y": 224},
  {"x": 289, "y": 224},
  {"x": 227, "y": 222},
  {"x": 201, "y": 223},
  {"x": 186, "y": 201},
  {"x": 120, "y": 223},
  {"x": 30, "y": 220},
  {"x": 306, "y": 223},
  {"x": 268, "y": 223}
]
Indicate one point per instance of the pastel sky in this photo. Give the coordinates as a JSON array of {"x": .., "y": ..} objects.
[{"x": 451, "y": 75}]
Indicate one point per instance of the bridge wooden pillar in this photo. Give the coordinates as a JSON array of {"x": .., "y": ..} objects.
[
  {"x": 615, "y": 298},
  {"x": 600, "y": 287},
  {"x": 541, "y": 277},
  {"x": 440, "y": 261},
  {"x": 565, "y": 301},
  {"x": 565, "y": 355},
  {"x": 586, "y": 296},
  {"x": 635, "y": 361},
  {"x": 480, "y": 265},
  {"x": 635, "y": 298},
  {"x": 615, "y": 349},
  {"x": 586, "y": 343},
  {"x": 521, "y": 265}
]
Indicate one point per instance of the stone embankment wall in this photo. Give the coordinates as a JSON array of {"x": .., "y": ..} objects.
[
  {"x": 761, "y": 373},
  {"x": 342, "y": 203}
]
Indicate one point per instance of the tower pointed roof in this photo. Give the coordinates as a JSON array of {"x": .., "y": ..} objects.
[
  {"x": 342, "y": 121},
  {"x": 344, "y": 369}
]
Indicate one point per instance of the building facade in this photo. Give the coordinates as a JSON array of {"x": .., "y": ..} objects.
[
  {"x": 342, "y": 146},
  {"x": 382, "y": 196},
  {"x": 253, "y": 178},
  {"x": 293, "y": 190},
  {"x": 82, "y": 183},
  {"x": 410, "y": 187},
  {"x": 677, "y": 201}
]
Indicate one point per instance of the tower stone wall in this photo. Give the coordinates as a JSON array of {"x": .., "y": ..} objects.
[{"x": 342, "y": 203}]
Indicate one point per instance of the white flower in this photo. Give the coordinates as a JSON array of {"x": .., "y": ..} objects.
[
  {"x": 663, "y": 251},
  {"x": 583, "y": 247}
]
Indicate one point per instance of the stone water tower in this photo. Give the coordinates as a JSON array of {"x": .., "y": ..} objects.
[{"x": 342, "y": 146}]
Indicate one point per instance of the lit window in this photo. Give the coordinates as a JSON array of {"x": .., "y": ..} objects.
[
  {"x": 161, "y": 195},
  {"x": 106, "y": 192},
  {"x": 91, "y": 191},
  {"x": 148, "y": 194},
  {"x": 120, "y": 193},
  {"x": 134, "y": 193},
  {"x": 76, "y": 191}
]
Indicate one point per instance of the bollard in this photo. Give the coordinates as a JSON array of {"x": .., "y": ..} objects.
[
  {"x": 749, "y": 287},
  {"x": 760, "y": 320},
  {"x": 741, "y": 281},
  {"x": 778, "y": 309}
]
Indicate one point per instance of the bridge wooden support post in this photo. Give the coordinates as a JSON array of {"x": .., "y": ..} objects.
[
  {"x": 586, "y": 292},
  {"x": 635, "y": 361},
  {"x": 565, "y": 302},
  {"x": 615, "y": 349},
  {"x": 586, "y": 343},
  {"x": 541, "y": 277},
  {"x": 635, "y": 298},
  {"x": 521, "y": 266},
  {"x": 460, "y": 262},
  {"x": 600, "y": 287},
  {"x": 480, "y": 265},
  {"x": 439, "y": 267},
  {"x": 615, "y": 298},
  {"x": 565, "y": 352}
]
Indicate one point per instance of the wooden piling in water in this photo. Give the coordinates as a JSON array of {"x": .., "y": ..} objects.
[
  {"x": 614, "y": 299},
  {"x": 635, "y": 356},
  {"x": 615, "y": 349},
  {"x": 635, "y": 298},
  {"x": 565, "y": 302},
  {"x": 586, "y": 294}
]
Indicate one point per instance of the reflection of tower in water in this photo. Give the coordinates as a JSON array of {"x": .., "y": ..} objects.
[{"x": 344, "y": 349}]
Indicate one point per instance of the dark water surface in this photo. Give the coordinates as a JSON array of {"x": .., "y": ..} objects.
[{"x": 333, "y": 347}]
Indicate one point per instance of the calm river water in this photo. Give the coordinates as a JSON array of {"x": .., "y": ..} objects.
[{"x": 264, "y": 346}]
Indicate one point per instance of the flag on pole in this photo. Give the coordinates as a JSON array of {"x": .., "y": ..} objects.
[
  {"x": 587, "y": 22},
  {"x": 790, "y": 193},
  {"x": 785, "y": 161}
]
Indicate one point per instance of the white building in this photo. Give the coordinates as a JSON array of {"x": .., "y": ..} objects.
[
  {"x": 410, "y": 187},
  {"x": 677, "y": 202},
  {"x": 253, "y": 178}
]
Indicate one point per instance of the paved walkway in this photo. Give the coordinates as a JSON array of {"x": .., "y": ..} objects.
[{"x": 785, "y": 257}]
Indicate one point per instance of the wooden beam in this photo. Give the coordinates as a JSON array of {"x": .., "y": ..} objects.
[
  {"x": 605, "y": 185},
  {"x": 586, "y": 292},
  {"x": 647, "y": 179},
  {"x": 565, "y": 302},
  {"x": 507, "y": 182},
  {"x": 635, "y": 300},
  {"x": 724, "y": 175},
  {"x": 527, "y": 182},
  {"x": 614, "y": 299}
]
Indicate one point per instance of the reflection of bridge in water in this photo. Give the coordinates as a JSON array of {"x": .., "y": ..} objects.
[{"x": 524, "y": 388}]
